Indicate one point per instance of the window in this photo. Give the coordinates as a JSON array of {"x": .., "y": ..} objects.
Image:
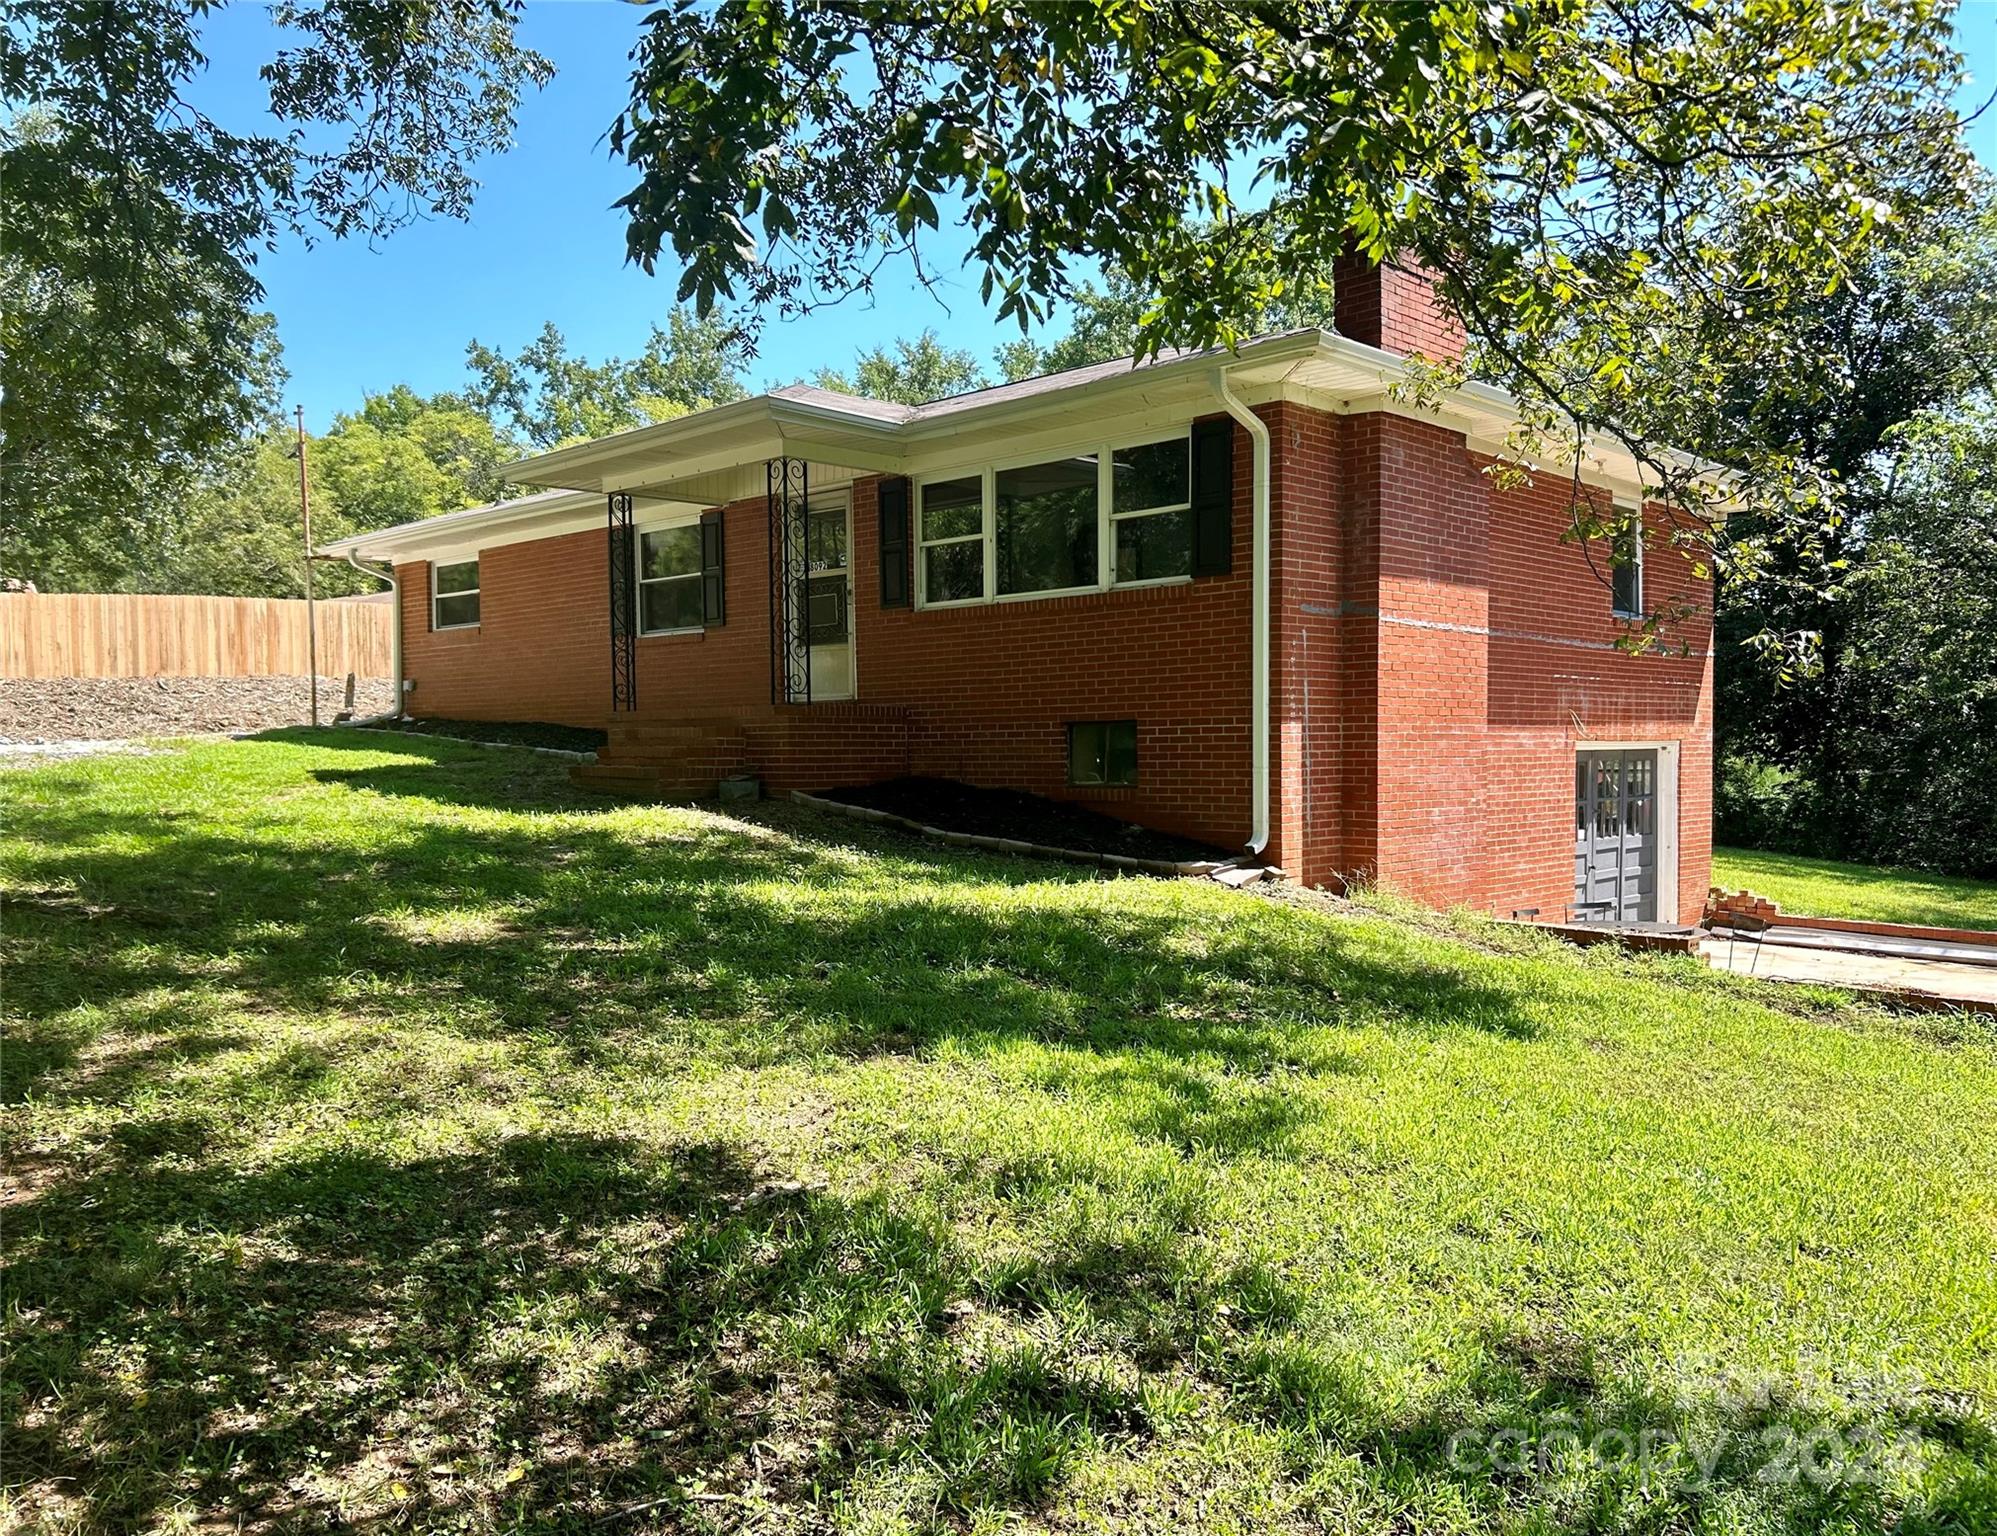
[
  {"x": 1102, "y": 752},
  {"x": 1047, "y": 516},
  {"x": 454, "y": 595},
  {"x": 1110, "y": 516},
  {"x": 669, "y": 589},
  {"x": 953, "y": 540},
  {"x": 1626, "y": 569},
  {"x": 1151, "y": 510}
]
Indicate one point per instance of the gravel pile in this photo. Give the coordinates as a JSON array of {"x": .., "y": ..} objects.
[{"x": 112, "y": 708}]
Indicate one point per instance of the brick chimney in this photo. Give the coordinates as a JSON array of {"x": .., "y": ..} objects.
[{"x": 1394, "y": 306}]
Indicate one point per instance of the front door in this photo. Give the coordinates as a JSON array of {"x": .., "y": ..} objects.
[
  {"x": 1615, "y": 836},
  {"x": 829, "y": 598}
]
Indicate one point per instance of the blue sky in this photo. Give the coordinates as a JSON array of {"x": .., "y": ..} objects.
[{"x": 544, "y": 244}]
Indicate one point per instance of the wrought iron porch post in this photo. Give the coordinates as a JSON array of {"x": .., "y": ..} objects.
[
  {"x": 790, "y": 575},
  {"x": 623, "y": 607}
]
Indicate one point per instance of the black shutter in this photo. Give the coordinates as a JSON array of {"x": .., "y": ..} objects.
[
  {"x": 894, "y": 543},
  {"x": 713, "y": 599},
  {"x": 1213, "y": 497}
]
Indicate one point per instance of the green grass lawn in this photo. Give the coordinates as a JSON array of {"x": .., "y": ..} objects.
[
  {"x": 1826, "y": 888},
  {"x": 398, "y": 1139}
]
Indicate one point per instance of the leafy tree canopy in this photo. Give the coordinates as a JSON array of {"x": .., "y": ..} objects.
[
  {"x": 551, "y": 397},
  {"x": 913, "y": 372},
  {"x": 1107, "y": 320},
  {"x": 402, "y": 456},
  {"x": 130, "y": 347},
  {"x": 1621, "y": 200}
]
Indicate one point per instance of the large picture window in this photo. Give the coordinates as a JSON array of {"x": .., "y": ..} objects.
[
  {"x": 953, "y": 540},
  {"x": 1111, "y": 516},
  {"x": 1151, "y": 510},
  {"x": 1047, "y": 520},
  {"x": 669, "y": 590},
  {"x": 454, "y": 594}
]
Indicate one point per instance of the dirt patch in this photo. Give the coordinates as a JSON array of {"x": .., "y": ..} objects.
[
  {"x": 1012, "y": 813},
  {"x": 526, "y": 733},
  {"x": 115, "y": 708}
]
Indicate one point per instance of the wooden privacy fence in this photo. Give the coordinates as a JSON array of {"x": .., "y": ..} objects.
[{"x": 97, "y": 635}]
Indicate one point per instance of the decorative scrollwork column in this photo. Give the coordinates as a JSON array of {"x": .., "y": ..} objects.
[
  {"x": 623, "y": 606},
  {"x": 790, "y": 574}
]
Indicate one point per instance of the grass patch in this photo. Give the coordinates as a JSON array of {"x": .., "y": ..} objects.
[
  {"x": 1826, "y": 888},
  {"x": 399, "y": 1137}
]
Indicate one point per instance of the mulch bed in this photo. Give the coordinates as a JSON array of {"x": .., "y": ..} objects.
[
  {"x": 1014, "y": 814},
  {"x": 54, "y": 709},
  {"x": 511, "y": 733}
]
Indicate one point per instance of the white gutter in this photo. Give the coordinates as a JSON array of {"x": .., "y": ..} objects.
[{"x": 1258, "y": 684}]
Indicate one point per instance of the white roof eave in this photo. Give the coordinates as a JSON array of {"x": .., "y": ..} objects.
[{"x": 861, "y": 434}]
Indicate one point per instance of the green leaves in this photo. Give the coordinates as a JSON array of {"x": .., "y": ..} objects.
[
  {"x": 1621, "y": 202},
  {"x": 132, "y": 352},
  {"x": 548, "y": 396}
]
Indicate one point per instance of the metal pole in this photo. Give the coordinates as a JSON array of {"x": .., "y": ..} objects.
[{"x": 311, "y": 612}]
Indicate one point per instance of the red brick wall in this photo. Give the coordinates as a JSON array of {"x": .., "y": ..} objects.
[
  {"x": 991, "y": 687},
  {"x": 542, "y": 648},
  {"x": 1436, "y": 653},
  {"x": 1467, "y": 650}
]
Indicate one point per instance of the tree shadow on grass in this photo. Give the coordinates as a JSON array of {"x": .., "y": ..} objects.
[
  {"x": 554, "y": 1327},
  {"x": 605, "y": 935},
  {"x": 551, "y": 1329}
]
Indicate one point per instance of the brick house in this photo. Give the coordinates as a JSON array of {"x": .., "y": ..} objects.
[{"x": 1251, "y": 597}]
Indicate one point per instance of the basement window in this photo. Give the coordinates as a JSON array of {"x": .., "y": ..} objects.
[
  {"x": 1102, "y": 752},
  {"x": 1626, "y": 569},
  {"x": 454, "y": 595}
]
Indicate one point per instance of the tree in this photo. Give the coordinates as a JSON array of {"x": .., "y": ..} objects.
[
  {"x": 1896, "y": 768},
  {"x": 1108, "y": 321},
  {"x": 914, "y": 373},
  {"x": 1871, "y": 749},
  {"x": 129, "y": 349},
  {"x": 1911, "y": 335},
  {"x": 549, "y": 397},
  {"x": 1619, "y": 200},
  {"x": 237, "y": 530},
  {"x": 402, "y": 456}
]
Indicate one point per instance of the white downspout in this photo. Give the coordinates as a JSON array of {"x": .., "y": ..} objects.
[
  {"x": 1258, "y": 683},
  {"x": 394, "y": 627}
]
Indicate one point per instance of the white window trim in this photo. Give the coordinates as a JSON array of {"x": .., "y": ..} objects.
[
  {"x": 1667, "y": 813},
  {"x": 474, "y": 591},
  {"x": 987, "y": 472},
  {"x": 638, "y": 532},
  {"x": 1635, "y": 516}
]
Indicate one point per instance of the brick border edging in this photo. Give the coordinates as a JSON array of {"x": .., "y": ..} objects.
[
  {"x": 1980, "y": 936},
  {"x": 1721, "y": 904},
  {"x": 1587, "y": 935},
  {"x": 1118, "y": 861}
]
